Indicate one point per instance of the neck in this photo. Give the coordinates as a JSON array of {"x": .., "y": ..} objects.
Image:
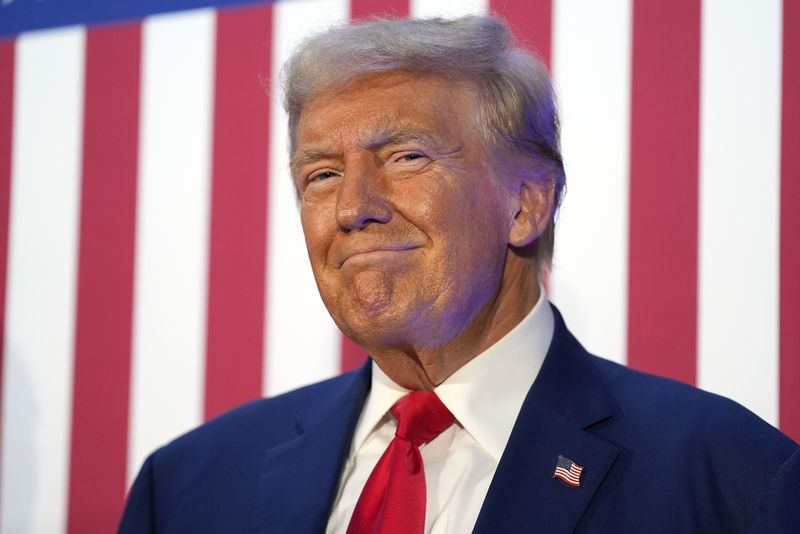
[{"x": 417, "y": 368}]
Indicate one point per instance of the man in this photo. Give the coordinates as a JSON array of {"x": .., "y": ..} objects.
[{"x": 426, "y": 160}]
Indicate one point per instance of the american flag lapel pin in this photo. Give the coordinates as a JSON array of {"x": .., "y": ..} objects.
[{"x": 568, "y": 471}]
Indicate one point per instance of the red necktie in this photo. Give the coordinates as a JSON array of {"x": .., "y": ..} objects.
[{"x": 393, "y": 499}]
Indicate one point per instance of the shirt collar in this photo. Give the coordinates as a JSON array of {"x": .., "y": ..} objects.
[
  {"x": 486, "y": 394},
  {"x": 382, "y": 395}
]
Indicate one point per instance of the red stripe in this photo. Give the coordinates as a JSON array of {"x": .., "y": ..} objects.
[
  {"x": 531, "y": 21},
  {"x": 790, "y": 225},
  {"x": 364, "y": 9},
  {"x": 237, "y": 265},
  {"x": 6, "y": 116},
  {"x": 662, "y": 300},
  {"x": 561, "y": 475},
  {"x": 105, "y": 280},
  {"x": 352, "y": 356}
]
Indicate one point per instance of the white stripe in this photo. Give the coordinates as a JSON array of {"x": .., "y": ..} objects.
[
  {"x": 447, "y": 8},
  {"x": 302, "y": 341},
  {"x": 37, "y": 389},
  {"x": 739, "y": 202},
  {"x": 591, "y": 64},
  {"x": 172, "y": 232}
]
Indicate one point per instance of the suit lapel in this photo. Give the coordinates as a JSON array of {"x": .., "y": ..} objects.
[
  {"x": 564, "y": 401},
  {"x": 299, "y": 477}
]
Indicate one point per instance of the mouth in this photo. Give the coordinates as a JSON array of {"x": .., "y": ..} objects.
[{"x": 375, "y": 255}]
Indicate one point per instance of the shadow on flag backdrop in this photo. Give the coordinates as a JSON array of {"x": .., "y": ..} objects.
[{"x": 152, "y": 268}]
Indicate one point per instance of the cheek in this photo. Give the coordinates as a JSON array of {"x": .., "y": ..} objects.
[
  {"x": 470, "y": 250},
  {"x": 318, "y": 232},
  {"x": 475, "y": 226},
  {"x": 475, "y": 243}
]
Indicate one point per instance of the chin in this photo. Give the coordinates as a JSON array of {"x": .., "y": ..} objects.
[
  {"x": 399, "y": 327},
  {"x": 379, "y": 326}
]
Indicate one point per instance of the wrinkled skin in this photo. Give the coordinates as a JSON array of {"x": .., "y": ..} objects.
[{"x": 417, "y": 234}]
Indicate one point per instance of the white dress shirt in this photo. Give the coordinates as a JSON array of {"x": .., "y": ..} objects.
[{"x": 485, "y": 396}]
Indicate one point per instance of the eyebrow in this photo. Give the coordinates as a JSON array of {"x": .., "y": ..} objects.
[
  {"x": 309, "y": 155},
  {"x": 382, "y": 136},
  {"x": 388, "y": 135}
]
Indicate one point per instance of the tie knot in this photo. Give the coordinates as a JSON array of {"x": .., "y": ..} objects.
[{"x": 421, "y": 416}]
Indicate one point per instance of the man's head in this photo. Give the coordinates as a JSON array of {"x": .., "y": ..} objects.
[
  {"x": 425, "y": 155},
  {"x": 516, "y": 114}
]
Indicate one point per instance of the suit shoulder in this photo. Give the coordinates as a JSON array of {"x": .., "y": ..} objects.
[
  {"x": 715, "y": 461},
  {"x": 260, "y": 422},
  {"x": 221, "y": 461},
  {"x": 681, "y": 411}
]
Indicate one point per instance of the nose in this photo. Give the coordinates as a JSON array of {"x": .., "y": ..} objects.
[{"x": 362, "y": 196}]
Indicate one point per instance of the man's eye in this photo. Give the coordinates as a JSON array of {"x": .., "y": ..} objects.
[
  {"x": 410, "y": 156},
  {"x": 324, "y": 175}
]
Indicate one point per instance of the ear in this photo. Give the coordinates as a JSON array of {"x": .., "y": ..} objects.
[{"x": 536, "y": 199}]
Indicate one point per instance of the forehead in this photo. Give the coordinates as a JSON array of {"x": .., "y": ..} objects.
[{"x": 376, "y": 107}]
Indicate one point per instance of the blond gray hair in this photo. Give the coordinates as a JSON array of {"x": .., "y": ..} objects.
[{"x": 517, "y": 109}]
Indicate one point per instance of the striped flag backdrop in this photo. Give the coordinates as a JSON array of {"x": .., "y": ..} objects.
[{"x": 153, "y": 271}]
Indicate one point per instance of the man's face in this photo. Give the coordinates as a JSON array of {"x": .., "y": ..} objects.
[{"x": 405, "y": 221}]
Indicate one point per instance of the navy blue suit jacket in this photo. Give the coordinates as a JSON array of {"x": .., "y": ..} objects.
[{"x": 658, "y": 457}]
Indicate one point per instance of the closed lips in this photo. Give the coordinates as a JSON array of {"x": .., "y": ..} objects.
[{"x": 372, "y": 251}]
